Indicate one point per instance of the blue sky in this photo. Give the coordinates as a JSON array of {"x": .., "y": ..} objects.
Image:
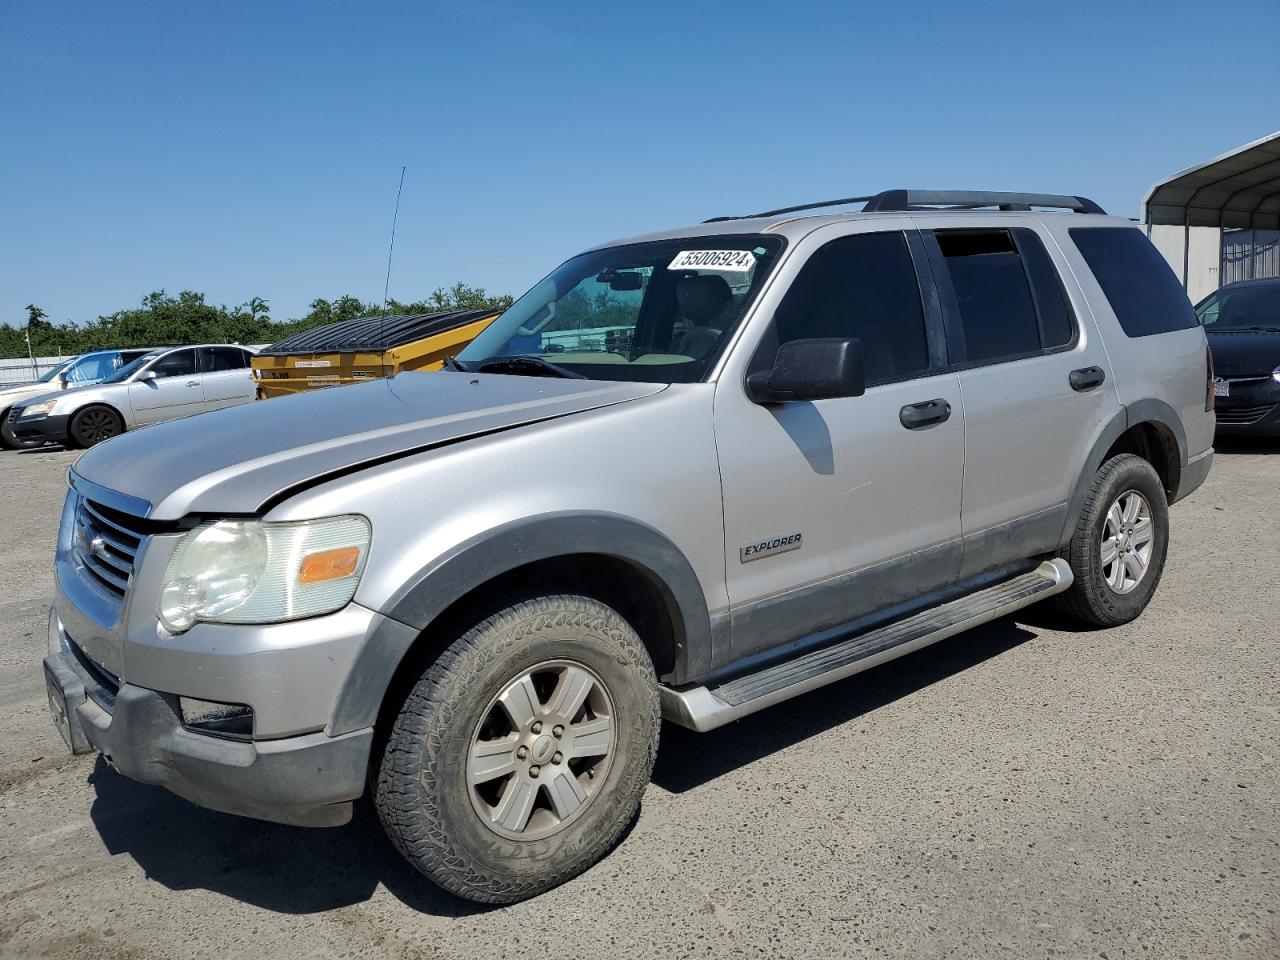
[{"x": 253, "y": 149}]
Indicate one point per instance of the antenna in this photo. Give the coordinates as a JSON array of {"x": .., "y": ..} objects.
[{"x": 391, "y": 250}]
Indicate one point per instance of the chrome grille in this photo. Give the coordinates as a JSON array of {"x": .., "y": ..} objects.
[
  {"x": 106, "y": 543},
  {"x": 1245, "y": 414}
]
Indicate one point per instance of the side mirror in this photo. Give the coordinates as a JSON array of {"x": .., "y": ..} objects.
[
  {"x": 818, "y": 369},
  {"x": 64, "y": 380},
  {"x": 146, "y": 376}
]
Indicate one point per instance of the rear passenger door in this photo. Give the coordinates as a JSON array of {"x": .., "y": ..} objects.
[
  {"x": 1036, "y": 382},
  {"x": 226, "y": 375}
]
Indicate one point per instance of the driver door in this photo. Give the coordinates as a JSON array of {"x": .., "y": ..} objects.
[
  {"x": 846, "y": 507},
  {"x": 176, "y": 391}
]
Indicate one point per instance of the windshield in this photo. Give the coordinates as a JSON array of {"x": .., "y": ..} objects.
[
  {"x": 129, "y": 369},
  {"x": 53, "y": 374},
  {"x": 655, "y": 312},
  {"x": 1245, "y": 307}
]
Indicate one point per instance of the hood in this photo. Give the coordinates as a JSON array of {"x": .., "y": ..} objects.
[
  {"x": 1249, "y": 353},
  {"x": 235, "y": 461},
  {"x": 10, "y": 390}
]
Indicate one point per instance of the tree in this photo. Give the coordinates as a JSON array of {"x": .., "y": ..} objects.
[
  {"x": 35, "y": 318},
  {"x": 161, "y": 319}
]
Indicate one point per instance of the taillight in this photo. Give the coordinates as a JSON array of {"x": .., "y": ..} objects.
[{"x": 1209, "y": 400}]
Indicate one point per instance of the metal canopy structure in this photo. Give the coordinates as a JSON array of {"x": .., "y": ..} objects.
[{"x": 1240, "y": 189}]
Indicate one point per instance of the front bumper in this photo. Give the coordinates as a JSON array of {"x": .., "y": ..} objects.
[
  {"x": 309, "y": 780},
  {"x": 52, "y": 429},
  {"x": 1252, "y": 408}
]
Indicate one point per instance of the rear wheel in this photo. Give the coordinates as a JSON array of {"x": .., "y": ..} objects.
[
  {"x": 92, "y": 425},
  {"x": 1118, "y": 550},
  {"x": 520, "y": 755}
]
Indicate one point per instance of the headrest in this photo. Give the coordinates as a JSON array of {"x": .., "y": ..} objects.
[{"x": 702, "y": 298}]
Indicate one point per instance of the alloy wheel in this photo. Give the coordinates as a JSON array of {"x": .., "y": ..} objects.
[
  {"x": 541, "y": 750},
  {"x": 1128, "y": 537}
]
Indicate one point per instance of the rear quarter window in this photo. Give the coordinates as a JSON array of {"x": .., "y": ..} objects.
[{"x": 1143, "y": 292}]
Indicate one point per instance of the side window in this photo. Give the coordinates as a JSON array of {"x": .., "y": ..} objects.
[
  {"x": 1057, "y": 327},
  {"x": 1143, "y": 292},
  {"x": 997, "y": 313},
  {"x": 180, "y": 363},
  {"x": 861, "y": 286},
  {"x": 92, "y": 369},
  {"x": 216, "y": 359},
  {"x": 1207, "y": 312}
]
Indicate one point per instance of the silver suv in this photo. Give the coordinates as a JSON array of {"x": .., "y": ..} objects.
[{"x": 688, "y": 475}]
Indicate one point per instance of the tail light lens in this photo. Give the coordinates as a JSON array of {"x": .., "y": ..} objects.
[{"x": 1209, "y": 401}]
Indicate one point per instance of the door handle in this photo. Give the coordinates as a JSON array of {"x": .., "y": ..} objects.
[
  {"x": 917, "y": 415},
  {"x": 193, "y": 383},
  {"x": 1086, "y": 378}
]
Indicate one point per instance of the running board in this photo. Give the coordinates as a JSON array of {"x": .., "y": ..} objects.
[{"x": 705, "y": 708}]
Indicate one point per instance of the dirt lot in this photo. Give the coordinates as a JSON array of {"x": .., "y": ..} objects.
[{"x": 1023, "y": 790}]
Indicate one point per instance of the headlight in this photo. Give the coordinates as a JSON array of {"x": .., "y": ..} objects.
[
  {"x": 250, "y": 571},
  {"x": 1275, "y": 374},
  {"x": 41, "y": 409}
]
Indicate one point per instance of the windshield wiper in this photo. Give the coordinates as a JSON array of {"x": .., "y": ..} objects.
[
  {"x": 534, "y": 366},
  {"x": 452, "y": 363}
]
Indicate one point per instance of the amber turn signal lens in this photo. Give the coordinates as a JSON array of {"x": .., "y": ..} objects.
[{"x": 329, "y": 565}]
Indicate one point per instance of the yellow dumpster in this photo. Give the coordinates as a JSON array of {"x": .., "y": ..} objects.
[{"x": 364, "y": 349}]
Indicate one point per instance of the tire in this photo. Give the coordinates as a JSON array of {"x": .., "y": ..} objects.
[
  {"x": 7, "y": 439},
  {"x": 1103, "y": 594},
  {"x": 92, "y": 425},
  {"x": 458, "y": 761}
]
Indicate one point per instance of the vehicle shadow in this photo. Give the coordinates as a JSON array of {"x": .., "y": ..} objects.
[
  {"x": 687, "y": 759},
  {"x": 1227, "y": 446},
  {"x": 293, "y": 870},
  {"x": 284, "y": 869}
]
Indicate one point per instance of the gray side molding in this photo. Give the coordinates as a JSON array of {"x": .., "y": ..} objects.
[
  {"x": 472, "y": 564},
  {"x": 1141, "y": 411}
]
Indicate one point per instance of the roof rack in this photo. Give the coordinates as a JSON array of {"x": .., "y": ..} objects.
[{"x": 906, "y": 200}]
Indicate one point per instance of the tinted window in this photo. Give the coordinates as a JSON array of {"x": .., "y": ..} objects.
[
  {"x": 997, "y": 313},
  {"x": 1056, "y": 326},
  {"x": 861, "y": 286},
  {"x": 214, "y": 359},
  {"x": 180, "y": 363},
  {"x": 1143, "y": 292}
]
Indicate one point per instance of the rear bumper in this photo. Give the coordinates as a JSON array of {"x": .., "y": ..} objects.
[{"x": 1193, "y": 475}]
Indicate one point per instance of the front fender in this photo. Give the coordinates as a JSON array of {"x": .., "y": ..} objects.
[{"x": 420, "y": 601}]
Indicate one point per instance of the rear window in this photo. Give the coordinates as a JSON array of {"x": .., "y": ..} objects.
[{"x": 1143, "y": 292}]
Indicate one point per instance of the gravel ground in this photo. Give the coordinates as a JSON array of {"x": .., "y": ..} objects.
[{"x": 1023, "y": 790}]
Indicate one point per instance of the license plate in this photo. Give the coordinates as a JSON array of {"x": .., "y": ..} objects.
[
  {"x": 58, "y": 707},
  {"x": 1221, "y": 388}
]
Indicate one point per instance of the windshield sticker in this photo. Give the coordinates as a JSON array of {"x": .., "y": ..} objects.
[{"x": 725, "y": 261}]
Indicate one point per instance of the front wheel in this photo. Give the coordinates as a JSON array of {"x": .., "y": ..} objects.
[
  {"x": 11, "y": 441},
  {"x": 520, "y": 755},
  {"x": 1118, "y": 550},
  {"x": 92, "y": 425}
]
